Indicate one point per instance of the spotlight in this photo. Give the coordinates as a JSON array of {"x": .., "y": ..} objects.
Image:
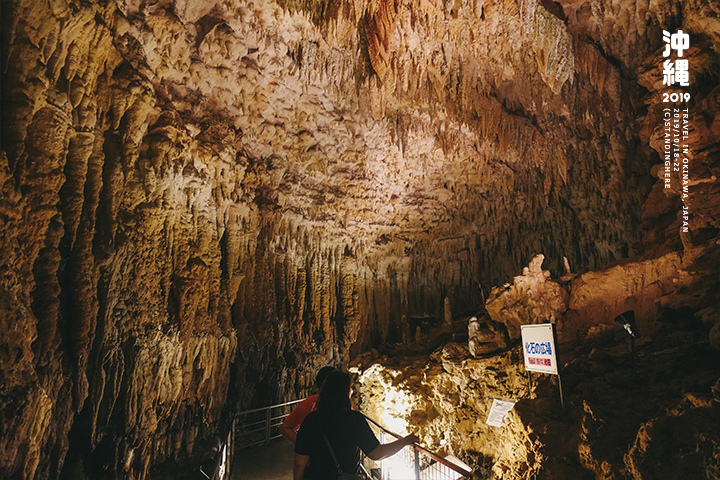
[{"x": 627, "y": 321}]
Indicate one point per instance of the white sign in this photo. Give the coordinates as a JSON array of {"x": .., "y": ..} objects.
[
  {"x": 499, "y": 411},
  {"x": 539, "y": 348}
]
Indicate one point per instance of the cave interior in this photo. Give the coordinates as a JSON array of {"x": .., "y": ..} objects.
[{"x": 203, "y": 202}]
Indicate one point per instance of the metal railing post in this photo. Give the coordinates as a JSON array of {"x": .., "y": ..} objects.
[
  {"x": 430, "y": 460},
  {"x": 229, "y": 448},
  {"x": 382, "y": 463},
  {"x": 417, "y": 463},
  {"x": 260, "y": 431},
  {"x": 267, "y": 426},
  {"x": 433, "y": 457}
]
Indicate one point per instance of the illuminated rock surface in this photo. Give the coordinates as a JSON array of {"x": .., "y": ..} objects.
[
  {"x": 651, "y": 417},
  {"x": 202, "y": 202},
  {"x": 649, "y": 410}
]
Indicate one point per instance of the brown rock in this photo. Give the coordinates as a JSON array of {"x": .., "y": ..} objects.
[{"x": 533, "y": 298}]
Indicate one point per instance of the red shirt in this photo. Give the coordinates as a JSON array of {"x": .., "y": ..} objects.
[{"x": 301, "y": 411}]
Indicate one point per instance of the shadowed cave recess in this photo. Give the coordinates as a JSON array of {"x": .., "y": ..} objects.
[{"x": 203, "y": 202}]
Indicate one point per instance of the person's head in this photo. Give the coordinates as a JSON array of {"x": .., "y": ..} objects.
[
  {"x": 322, "y": 375},
  {"x": 335, "y": 392}
]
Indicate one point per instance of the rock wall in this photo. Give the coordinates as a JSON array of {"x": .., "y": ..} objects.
[
  {"x": 203, "y": 202},
  {"x": 643, "y": 407},
  {"x": 446, "y": 399},
  {"x": 647, "y": 417}
]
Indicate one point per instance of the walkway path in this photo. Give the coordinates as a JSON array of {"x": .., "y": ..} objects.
[{"x": 266, "y": 462}]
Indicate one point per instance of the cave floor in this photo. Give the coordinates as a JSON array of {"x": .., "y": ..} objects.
[{"x": 273, "y": 461}]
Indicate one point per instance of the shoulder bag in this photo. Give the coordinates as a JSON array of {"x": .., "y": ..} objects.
[{"x": 342, "y": 475}]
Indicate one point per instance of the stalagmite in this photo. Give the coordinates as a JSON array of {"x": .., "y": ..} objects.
[
  {"x": 447, "y": 311},
  {"x": 405, "y": 326}
]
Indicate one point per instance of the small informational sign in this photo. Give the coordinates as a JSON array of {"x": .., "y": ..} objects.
[
  {"x": 539, "y": 348},
  {"x": 499, "y": 411}
]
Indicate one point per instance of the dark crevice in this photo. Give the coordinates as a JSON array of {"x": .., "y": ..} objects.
[
  {"x": 555, "y": 9},
  {"x": 624, "y": 71}
]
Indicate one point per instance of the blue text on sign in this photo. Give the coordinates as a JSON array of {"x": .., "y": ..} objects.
[{"x": 535, "y": 348}]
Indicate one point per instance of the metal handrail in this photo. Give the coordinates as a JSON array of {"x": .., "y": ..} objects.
[
  {"x": 267, "y": 425},
  {"x": 260, "y": 409},
  {"x": 425, "y": 452},
  {"x": 217, "y": 465}
]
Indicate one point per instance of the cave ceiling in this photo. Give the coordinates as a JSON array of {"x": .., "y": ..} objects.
[
  {"x": 517, "y": 126},
  {"x": 389, "y": 122}
]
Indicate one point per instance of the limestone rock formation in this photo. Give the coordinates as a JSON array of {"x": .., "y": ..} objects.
[
  {"x": 202, "y": 202},
  {"x": 643, "y": 410},
  {"x": 598, "y": 297},
  {"x": 446, "y": 402},
  {"x": 532, "y": 298},
  {"x": 619, "y": 419},
  {"x": 485, "y": 337}
]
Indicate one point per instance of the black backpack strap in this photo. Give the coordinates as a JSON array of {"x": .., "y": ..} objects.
[{"x": 332, "y": 454}]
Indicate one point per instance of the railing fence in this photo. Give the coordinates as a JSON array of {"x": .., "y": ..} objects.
[
  {"x": 216, "y": 465},
  {"x": 261, "y": 425},
  {"x": 415, "y": 463}
]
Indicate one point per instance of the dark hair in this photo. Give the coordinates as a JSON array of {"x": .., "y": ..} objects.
[
  {"x": 322, "y": 375},
  {"x": 335, "y": 392}
]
